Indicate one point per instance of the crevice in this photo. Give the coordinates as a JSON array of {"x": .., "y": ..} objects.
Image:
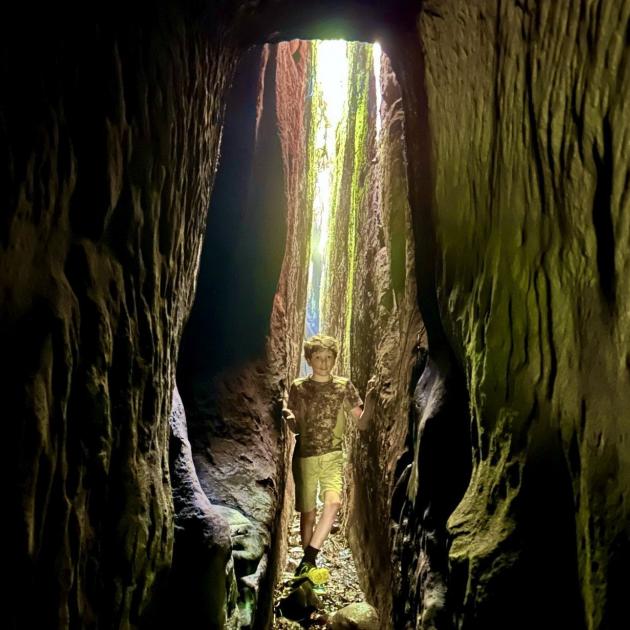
[{"x": 602, "y": 213}]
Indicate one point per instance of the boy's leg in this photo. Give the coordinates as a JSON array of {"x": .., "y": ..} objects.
[
  {"x": 331, "y": 485},
  {"x": 312, "y": 468},
  {"x": 307, "y": 525},
  {"x": 308, "y": 565},
  {"x": 305, "y": 477},
  {"x": 332, "y": 503}
]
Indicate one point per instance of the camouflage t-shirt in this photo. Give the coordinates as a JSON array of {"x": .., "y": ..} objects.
[{"x": 320, "y": 410}]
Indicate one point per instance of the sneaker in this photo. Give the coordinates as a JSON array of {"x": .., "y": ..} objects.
[
  {"x": 317, "y": 575},
  {"x": 303, "y": 567}
]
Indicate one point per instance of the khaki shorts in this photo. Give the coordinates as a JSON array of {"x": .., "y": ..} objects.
[{"x": 326, "y": 469}]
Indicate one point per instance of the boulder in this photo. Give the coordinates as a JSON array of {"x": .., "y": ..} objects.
[{"x": 358, "y": 616}]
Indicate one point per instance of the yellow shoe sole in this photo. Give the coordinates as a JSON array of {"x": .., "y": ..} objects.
[{"x": 318, "y": 575}]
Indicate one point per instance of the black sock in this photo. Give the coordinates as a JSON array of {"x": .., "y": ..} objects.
[{"x": 310, "y": 555}]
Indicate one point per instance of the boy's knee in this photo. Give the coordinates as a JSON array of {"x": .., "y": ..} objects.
[{"x": 332, "y": 499}]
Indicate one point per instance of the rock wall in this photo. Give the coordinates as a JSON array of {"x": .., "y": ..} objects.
[
  {"x": 391, "y": 342},
  {"x": 209, "y": 542},
  {"x": 370, "y": 304},
  {"x": 349, "y": 176},
  {"x": 432, "y": 474},
  {"x": 528, "y": 116},
  {"x": 243, "y": 341},
  {"x": 109, "y": 136}
]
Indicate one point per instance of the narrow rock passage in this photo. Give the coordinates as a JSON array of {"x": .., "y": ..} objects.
[{"x": 341, "y": 590}]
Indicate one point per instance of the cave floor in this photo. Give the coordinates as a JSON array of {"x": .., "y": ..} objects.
[{"x": 343, "y": 587}]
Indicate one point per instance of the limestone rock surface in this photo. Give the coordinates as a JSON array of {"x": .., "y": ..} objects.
[
  {"x": 529, "y": 122},
  {"x": 207, "y": 538},
  {"x": 371, "y": 306},
  {"x": 243, "y": 341},
  {"x": 109, "y": 135}
]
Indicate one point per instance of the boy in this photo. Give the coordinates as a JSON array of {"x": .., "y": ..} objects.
[{"x": 317, "y": 409}]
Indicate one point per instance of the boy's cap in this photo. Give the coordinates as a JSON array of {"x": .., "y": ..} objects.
[{"x": 320, "y": 342}]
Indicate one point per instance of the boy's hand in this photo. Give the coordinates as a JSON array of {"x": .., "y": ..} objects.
[
  {"x": 370, "y": 390},
  {"x": 289, "y": 418},
  {"x": 364, "y": 416}
]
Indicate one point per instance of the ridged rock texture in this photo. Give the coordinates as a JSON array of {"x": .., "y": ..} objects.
[
  {"x": 109, "y": 137},
  {"x": 369, "y": 303},
  {"x": 529, "y": 121}
]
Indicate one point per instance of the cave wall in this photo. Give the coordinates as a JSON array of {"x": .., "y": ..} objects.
[
  {"x": 242, "y": 343},
  {"x": 349, "y": 178},
  {"x": 109, "y": 136},
  {"x": 387, "y": 340},
  {"x": 211, "y": 545},
  {"x": 528, "y": 118},
  {"x": 434, "y": 469},
  {"x": 370, "y": 304}
]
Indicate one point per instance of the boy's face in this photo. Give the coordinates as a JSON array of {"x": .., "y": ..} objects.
[{"x": 322, "y": 362}]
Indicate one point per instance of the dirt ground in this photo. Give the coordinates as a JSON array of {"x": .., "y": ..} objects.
[{"x": 342, "y": 588}]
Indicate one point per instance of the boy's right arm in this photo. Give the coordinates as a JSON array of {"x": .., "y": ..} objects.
[
  {"x": 289, "y": 418},
  {"x": 288, "y": 411}
]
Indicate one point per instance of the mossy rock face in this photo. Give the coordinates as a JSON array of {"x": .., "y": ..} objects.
[
  {"x": 369, "y": 302},
  {"x": 530, "y": 210}
]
